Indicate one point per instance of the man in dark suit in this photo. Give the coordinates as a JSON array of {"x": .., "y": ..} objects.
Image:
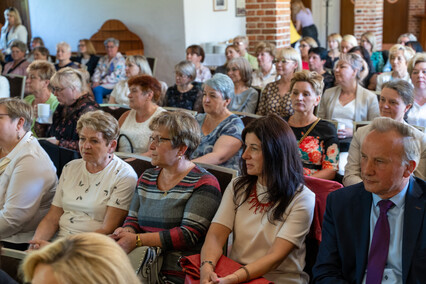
[{"x": 364, "y": 242}]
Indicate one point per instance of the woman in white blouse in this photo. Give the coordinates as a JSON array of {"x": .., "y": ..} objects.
[
  {"x": 417, "y": 70},
  {"x": 27, "y": 175},
  {"x": 12, "y": 30},
  {"x": 94, "y": 193}
]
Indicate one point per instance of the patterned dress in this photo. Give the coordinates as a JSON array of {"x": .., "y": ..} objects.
[
  {"x": 191, "y": 99},
  {"x": 64, "y": 126},
  {"x": 181, "y": 215},
  {"x": 272, "y": 102},
  {"x": 320, "y": 149}
]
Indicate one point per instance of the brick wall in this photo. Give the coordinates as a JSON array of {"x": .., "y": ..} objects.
[
  {"x": 415, "y": 7},
  {"x": 268, "y": 20},
  {"x": 369, "y": 17}
]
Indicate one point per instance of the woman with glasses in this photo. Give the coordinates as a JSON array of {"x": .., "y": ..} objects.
[
  {"x": 69, "y": 88},
  {"x": 306, "y": 43},
  {"x": 275, "y": 97},
  {"x": 245, "y": 98},
  {"x": 265, "y": 53},
  {"x": 186, "y": 93},
  {"x": 173, "y": 203},
  {"x": 13, "y": 29},
  {"x": 87, "y": 56},
  {"x": 144, "y": 93},
  {"x": 94, "y": 192}
]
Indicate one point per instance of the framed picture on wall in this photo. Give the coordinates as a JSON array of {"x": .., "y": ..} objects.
[
  {"x": 240, "y": 8},
  {"x": 220, "y": 5}
]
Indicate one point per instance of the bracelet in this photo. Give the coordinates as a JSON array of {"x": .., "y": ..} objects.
[
  {"x": 209, "y": 262},
  {"x": 247, "y": 272},
  {"x": 138, "y": 240}
]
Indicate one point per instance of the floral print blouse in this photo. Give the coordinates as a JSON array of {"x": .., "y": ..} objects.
[
  {"x": 272, "y": 102},
  {"x": 320, "y": 149}
]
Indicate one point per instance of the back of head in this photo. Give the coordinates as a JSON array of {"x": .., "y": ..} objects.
[
  {"x": 89, "y": 258},
  {"x": 223, "y": 84},
  {"x": 242, "y": 39},
  {"x": 350, "y": 39},
  {"x": 17, "y": 108},
  {"x": 44, "y": 69},
  {"x": 68, "y": 77}
]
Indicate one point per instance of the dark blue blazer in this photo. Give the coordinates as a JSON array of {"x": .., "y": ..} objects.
[{"x": 343, "y": 253}]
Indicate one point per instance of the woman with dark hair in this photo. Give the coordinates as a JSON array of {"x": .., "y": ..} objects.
[
  {"x": 195, "y": 54},
  {"x": 267, "y": 208},
  {"x": 87, "y": 56}
]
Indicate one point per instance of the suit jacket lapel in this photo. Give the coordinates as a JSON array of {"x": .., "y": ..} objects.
[
  {"x": 362, "y": 211},
  {"x": 414, "y": 211}
]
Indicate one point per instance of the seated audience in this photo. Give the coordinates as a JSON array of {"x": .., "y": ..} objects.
[
  {"x": 374, "y": 232},
  {"x": 109, "y": 71},
  {"x": 19, "y": 64},
  {"x": 399, "y": 55},
  {"x": 266, "y": 73},
  {"x": 220, "y": 129},
  {"x": 317, "y": 139},
  {"x": 348, "y": 41},
  {"x": 196, "y": 55},
  {"x": 334, "y": 41},
  {"x": 88, "y": 258},
  {"x": 4, "y": 86},
  {"x": 369, "y": 81},
  {"x": 69, "y": 87},
  {"x": 368, "y": 41},
  {"x": 304, "y": 21},
  {"x": 135, "y": 65},
  {"x": 63, "y": 56},
  {"x": 396, "y": 99},
  {"x": 242, "y": 43},
  {"x": 27, "y": 176},
  {"x": 12, "y": 30},
  {"x": 174, "y": 203},
  {"x": 41, "y": 53},
  {"x": 94, "y": 193},
  {"x": 417, "y": 71},
  {"x": 416, "y": 46},
  {"x": 37, "y": 85},
  {"x": 231, "y": 51},
  {"x": 35, "y": 42},
  {"x": 404, "y": 38},
  {"x": 275, "y": 97},
  {"x": 245, "y": 98},
  {"x": 306, "y": 43},
  {"x": 87, "y": 56},
  {"x": 144, "y": 93},
  {"x": 317, "y": 60},
  {"x": 186, "y": 93},
  {"x": 349, "y": 101},
  {"x": 268, "y": 210}
]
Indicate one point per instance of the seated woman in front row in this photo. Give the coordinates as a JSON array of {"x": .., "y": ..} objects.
[
  {"x": 94, "y": 192},
  {"x": 174, "y": 203},
  {"x": 267, "y": 208},
  {"x": 317, "y": 139},
  {"x": 220, "y": 129}
]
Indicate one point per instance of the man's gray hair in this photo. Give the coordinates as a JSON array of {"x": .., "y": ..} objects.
[
  {"x": 223, "y": 84},
  {"x": 411, "y": 139},
  {"x": 115, "y": 41}
]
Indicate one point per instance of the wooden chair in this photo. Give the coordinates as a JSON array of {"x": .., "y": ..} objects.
[
  {"x": 115, "y": 110},
  {"x": 60, "y": 156},
  {"x": 152, "y": 61},
  {"x": 129, "y": 41},
  {"x": 358, "y": 124},
  {"x": 223, "y": 175},
  {"x": 139, "y": 163},
  {"x": 17, "y": 85},
  {"x": 10, "y": 261},
  {"x": 246, "y": 117},
  {"x": 193, "y": 112}
]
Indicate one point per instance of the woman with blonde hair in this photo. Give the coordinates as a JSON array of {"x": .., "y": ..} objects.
[
  {"x": 12, "y": 30},
  {"x": 303, "y": 20},
  {"x": 306, "y": 43},
  {"x": 265, "y": 53},
  {"x": 399, "y": 55},
  {"x": 333, "y": 41},
  {"x": 417, "y": 71},
  {"x": 88, "y": 258},
  {"x": 63, "y": 56},
  {"x": 348, "y": 41},
  {"x": 87, "y": 57},
  {"x": 368, "y": 41},
  {"x": 275, "y": 97}
]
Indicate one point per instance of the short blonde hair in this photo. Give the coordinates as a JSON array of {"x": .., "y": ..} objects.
[
  {"x": 17, "y": 108},
  {"x": 371, "y": 38},
  {"x": 44, "y": 69},
  {"x": 337, "y": 37},
  {"x": 313, "y": 78},
  {"x": 100, "y": 121},
  {"x": 141, "y": 62},
  {"x": 290, "y": 53},
  {"x": 64, "y": 45},
  {"x": 182, "y": 127},
  {"x": 89, "y": 258},
  {"x": 350, "y": 39},
  {"x": 408, "y": 51},
  {"x": 310, "y": 41},
  {"x": 69, "y": 77},
  {"x": 416, "y": 59},
  {"x": 89, "y": 46},
  {"x": 244, "y": 67},
  {"x": 265, "y": 46}
]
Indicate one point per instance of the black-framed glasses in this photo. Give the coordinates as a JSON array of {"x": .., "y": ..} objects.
[{"x": 158, "y": 139}]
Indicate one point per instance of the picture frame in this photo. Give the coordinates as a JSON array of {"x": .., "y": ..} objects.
[
  {"x": 220, "y": 5},
  {"x": 240, "y": 8}
]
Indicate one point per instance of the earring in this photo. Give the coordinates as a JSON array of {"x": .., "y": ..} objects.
[{"x": 19, "y": 136}]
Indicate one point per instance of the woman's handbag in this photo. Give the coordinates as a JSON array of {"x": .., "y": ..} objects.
[
  {"x": 128, "y": 140},
  {"x": 225, "y": 266},
  {"x": 147, "y": 262}
]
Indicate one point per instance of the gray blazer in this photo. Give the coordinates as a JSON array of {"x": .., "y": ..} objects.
[{"x": 366, "y": 103}]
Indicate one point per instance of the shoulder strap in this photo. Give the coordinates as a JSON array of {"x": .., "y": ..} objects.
[{"x": 309, "y": 131}]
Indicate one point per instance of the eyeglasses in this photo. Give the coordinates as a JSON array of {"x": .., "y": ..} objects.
[
  {"x": 233, "y": 69},
  {"x": 158, "y": 139},
  {"x": 180, "y": 75},
  {"x": 56, "y": 89},
  {"x": 281, "y": 60},
  {"x": 238, "y": 43},
  {"x": 109, "y": 46}
]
